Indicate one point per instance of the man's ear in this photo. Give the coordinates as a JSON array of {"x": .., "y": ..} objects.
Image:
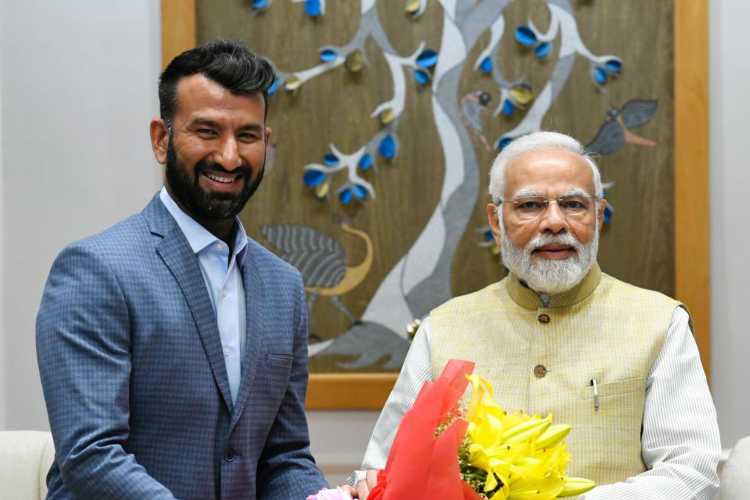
[
  {"x": 159, "y": 139},
  {"x": 600, "y": 212},
  {"x": 494, "y": 221},
  {"x": 267, "y": 132}
]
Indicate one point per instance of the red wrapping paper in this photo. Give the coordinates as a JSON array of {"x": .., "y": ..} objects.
[{"x": 420, "y": 465}]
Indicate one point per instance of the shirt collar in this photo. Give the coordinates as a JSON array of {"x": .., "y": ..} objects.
[
  {"x": 529, "y": 299},
  {"x": 198, "y": 237}
]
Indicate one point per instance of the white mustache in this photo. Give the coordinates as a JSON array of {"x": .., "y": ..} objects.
[{"x": 541, "y": 240}]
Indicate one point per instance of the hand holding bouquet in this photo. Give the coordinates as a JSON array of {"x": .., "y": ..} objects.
[
  {"x": 331, "y": 494},
  {"x": 481, "y": 452}
]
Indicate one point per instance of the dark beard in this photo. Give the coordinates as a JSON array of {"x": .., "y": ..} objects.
[{"x": 197, "y": 202}]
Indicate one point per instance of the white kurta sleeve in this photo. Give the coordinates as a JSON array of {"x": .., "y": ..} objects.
[
  {"x": 680, "y": 440},
  {"x": 415, "y": 371}
]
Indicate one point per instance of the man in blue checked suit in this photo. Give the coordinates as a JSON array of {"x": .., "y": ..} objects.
[{"x": 173, "y": 348}]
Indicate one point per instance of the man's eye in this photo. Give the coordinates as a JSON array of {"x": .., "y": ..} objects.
[
  {"x": 248, "y": 137},
  {"x": 572, "y": 205},
  {"x": 531, "y": 205},
  {"x": 206, "y": 132}
]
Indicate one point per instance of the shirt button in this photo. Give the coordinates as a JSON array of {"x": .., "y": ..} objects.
[
  {"x": 543, "y": 318},
  {"x": 229, "y": 454},
  {"x": 540, "y": 371}
]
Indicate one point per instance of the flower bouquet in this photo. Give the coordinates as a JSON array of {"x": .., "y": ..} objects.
[{"x": 475, "y": 453}]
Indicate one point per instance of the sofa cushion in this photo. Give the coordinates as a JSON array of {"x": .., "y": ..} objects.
[
  {"x": 25, "y": 458},
  {"x": 735, "y": 473}
]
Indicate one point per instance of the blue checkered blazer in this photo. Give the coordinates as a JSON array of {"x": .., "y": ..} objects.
[{"x": 134, "y": 377}]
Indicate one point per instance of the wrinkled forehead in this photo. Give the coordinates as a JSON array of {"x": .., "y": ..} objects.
[{"x": 550, "y": 173}]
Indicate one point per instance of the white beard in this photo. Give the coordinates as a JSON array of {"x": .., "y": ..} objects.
[{"x": 545, "y": 275}]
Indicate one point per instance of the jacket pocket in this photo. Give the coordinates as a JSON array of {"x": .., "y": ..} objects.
[
  {"x": 279, "y": 358},
  {"x": 613, "y": 388},
  {"x": 277, "y": 370}
]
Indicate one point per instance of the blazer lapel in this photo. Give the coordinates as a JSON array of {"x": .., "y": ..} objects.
[
  {"x": 183, "y": 263},
  {"x": 254, "y": 308}
]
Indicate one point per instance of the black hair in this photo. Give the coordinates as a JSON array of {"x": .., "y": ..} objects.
[{"x": 228, "y": 63}]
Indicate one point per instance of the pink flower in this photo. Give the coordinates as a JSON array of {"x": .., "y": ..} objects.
[{"x": 325, "y": 494}]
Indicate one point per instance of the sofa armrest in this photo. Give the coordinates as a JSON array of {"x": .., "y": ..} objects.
[
  {"x": 25, "y": 458},
  {"x": 735, "y": 472}
]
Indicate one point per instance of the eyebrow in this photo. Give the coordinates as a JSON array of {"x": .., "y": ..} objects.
[
  {"x": 527, "y": 193},
  {"x": 531, "y": 193},
  {"x": 203, "y": 121},
  {"x": 577, "y": 192},
  {"x": 250, "y": 127}
]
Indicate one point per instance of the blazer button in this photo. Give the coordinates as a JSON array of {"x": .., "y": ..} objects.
[
  {"x": 540, "y": 371},
  {"x": 229, "y": 454},
  {"x": 543, "y": 318}
]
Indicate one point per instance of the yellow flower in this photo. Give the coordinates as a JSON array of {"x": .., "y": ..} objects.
[{"x": 523, "y": 457}]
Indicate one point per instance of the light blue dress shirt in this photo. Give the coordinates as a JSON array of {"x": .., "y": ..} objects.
[{"x": 223, "y": 279}]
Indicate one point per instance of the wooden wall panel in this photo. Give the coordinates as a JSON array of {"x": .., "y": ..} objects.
[
  {"x": 178, "y": 28},
  {"x": 691, "y": 187}
]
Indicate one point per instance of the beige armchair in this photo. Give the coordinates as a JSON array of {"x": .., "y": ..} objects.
[
  {"x": 25, "y": 458},
  {"x": 735, "y": 473}
]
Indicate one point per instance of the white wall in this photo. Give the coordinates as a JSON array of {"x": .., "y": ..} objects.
[
  {"x": 2, "y": 241},
  {"x": 730, "y": 212},
  {"x": 78, "y": 86},
  {"x": 338, "y": 440}
]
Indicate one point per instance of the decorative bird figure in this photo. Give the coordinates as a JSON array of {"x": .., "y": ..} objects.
[
  {"x": 615, "y": 131},
  {"x": 321, "y": 260},
  {"x": 472, "y": 105}
]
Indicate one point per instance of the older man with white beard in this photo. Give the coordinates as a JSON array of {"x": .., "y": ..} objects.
[{"x": 617, "y": 362}]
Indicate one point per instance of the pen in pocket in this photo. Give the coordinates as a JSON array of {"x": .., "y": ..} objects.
[{"x": 595, "y": 384}]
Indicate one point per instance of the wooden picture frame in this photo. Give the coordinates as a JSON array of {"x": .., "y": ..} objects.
[{"x": 691, "y": 191}]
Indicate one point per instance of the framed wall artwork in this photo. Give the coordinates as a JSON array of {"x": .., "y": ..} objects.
[{"x": 386, "y": 116}]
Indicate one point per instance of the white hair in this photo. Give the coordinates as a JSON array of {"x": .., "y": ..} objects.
[{"x": 538, "y": 141}]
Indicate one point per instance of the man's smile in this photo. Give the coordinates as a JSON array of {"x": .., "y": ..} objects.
[{"x": 222, "y": 181}]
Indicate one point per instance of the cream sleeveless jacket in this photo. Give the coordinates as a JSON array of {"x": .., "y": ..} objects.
[{"x": 542, "y": 354}]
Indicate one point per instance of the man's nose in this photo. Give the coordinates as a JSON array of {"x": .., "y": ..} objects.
[
  {"x": 228, "y": 155},
  {"x": 553, "y": 219}
]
